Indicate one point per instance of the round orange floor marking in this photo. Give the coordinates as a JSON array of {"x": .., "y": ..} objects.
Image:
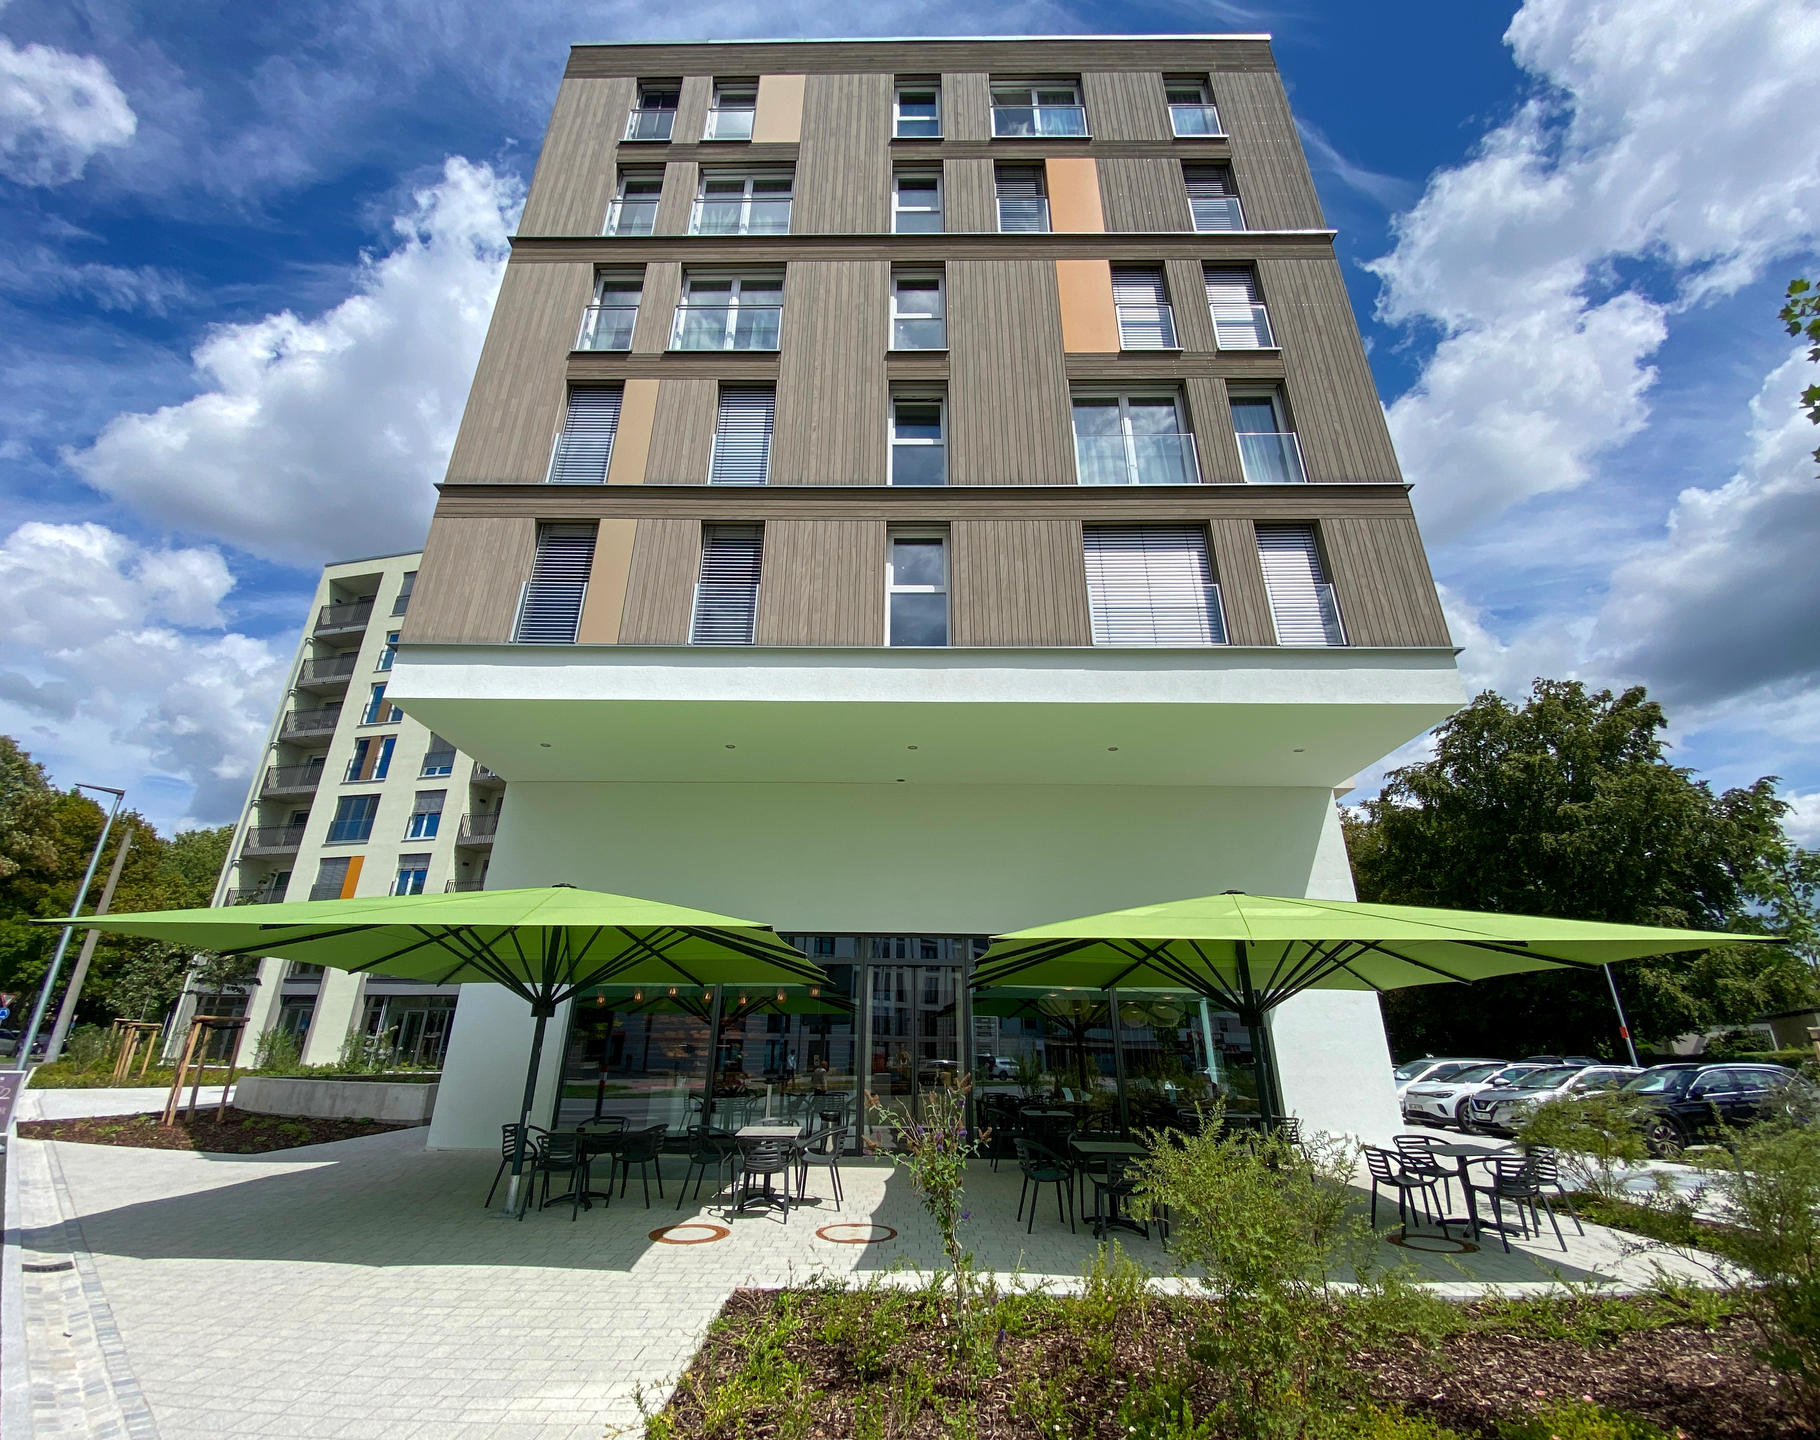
[
  {"x": 882, "y": 1233},
  {"x": 666, "y": 1234}
]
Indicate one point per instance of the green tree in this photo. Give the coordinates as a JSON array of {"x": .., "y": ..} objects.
[
  {"x": 1801, "y": 314},
  {"x": 1565, "y": 805}
]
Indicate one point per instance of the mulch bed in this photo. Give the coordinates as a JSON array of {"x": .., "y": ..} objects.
[
  {"x": 1699, "y": 1382},
  {"x": 239, "y": 1133}
]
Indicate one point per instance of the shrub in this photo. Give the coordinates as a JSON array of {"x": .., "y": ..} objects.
[
  {"x": 1580, "y": 1420},
  {"x": 1598, "y": 1136},
  {"x": 1371, "y": 1423},
  {"x": 936, "y": 1149},
  {"x": 278, "y": 1052},
  {"x": 89, "y": 1047}
]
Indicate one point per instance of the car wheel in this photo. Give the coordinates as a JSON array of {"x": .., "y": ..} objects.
[
  {"x": 1463, "y": 1118},
  {"x": 1664, "y": 1138}
]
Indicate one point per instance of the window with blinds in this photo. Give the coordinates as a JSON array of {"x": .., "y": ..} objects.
[
  {"x": 726, "y": 595},
  {"x": 549, "y": 606},
  {"x": 743, "y": 422},
  {"x": 1152, "y": 585},
  {"x": 1302, "y": 603},
  {"x": 585, "y": 446},
  {"x": 1023, "y": 199},
  {"x": 1212, "y": 198},
  {"x": 1240, "y": 321},
  {"x": 1142, "y": 299}
]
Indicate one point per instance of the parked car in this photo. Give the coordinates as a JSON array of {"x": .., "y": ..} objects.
[
  {"x": 1436, "y": 1068},
  {"x": 1692, "y": 1102},
  {"x": 1444, "y": 1103},
  {"x": 1562, "y": 1060},
  {"x": 1505, "y": 1108}
]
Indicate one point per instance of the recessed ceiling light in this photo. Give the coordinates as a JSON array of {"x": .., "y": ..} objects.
[
  {"x": 1300, "y": 751},
  {"x": 909, "y": 747},
  {"x": 733, "y": 747},
  {"x": 1112, "y": 747},
  {"x": 543, "y": 744},
  {"x": 900, "y": 779}
]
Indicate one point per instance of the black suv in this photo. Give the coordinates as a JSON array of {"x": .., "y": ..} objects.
[{"x": 1692, "y": 1101}]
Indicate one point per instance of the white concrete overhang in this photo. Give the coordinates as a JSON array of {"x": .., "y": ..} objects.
[{"x": 876, "y": 715}]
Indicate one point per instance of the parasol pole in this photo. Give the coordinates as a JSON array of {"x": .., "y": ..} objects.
[
  {"x": 543, "y": 1009},
  {"x": 1118, "y": 1060},
  {"x": 1260, "y": 1039}
]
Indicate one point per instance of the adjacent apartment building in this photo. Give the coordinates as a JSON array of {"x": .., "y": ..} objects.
[
  {"x": 353, "y": 797},
  {"x": 913, "y": 490}
]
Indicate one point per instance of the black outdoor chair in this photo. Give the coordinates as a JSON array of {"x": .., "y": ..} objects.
[
  {"x": 1520, "y": 1182},
  {"x": 821, "y": 1148},
  {"x": 1548, "y": 1176},
  {"x": 709, "y": 1149},
  {"x": 1390, "y": 1170},
  {"x": 1417, "y": 1153},
  {"x": 640, "y": 1148},
  {"x": 1042, "y": 1166},
  {"x": 508, "y": 1142},
  {"x": 563, "y": 1153},
  {"x": 759, "y": 1161},
  {"x": 1115, "y": 1185}
]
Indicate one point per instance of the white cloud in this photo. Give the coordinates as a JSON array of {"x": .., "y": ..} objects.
[
  {"x": 56, "y": 111},
  {"x": 117, "y": 664},
  {"x": 38, "y": 272},
  {"x": 1802, "y": 823},
  {"x": 312, "y": 431}
]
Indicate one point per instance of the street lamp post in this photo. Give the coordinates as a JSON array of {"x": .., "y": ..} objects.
[{"x": 63, "y": 941}]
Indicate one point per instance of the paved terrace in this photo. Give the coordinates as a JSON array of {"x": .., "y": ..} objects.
[{"x": 358, "y": 1289}]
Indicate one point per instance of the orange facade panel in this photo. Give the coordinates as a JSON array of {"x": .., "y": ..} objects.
[{"x": 1090, "y": 322}]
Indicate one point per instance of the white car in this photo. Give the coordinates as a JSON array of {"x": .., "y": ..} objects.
[
  {"x": 1444, "y": 1103},
  {"x": 1436, "y": 1068},
  {"x": 1505, "y": 1108}
]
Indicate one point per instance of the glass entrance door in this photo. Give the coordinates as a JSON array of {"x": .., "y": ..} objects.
[{"x": 915, "y": 1033}]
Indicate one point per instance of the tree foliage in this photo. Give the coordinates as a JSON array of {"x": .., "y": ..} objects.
[
  {"x": 1801, "y": 314},
  {"x": 1565, "y": 805}
]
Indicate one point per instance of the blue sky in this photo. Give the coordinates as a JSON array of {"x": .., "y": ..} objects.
[{"x": 248, "y": 256}]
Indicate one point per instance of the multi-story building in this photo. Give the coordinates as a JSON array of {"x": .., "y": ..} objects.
[
  {"x": 913, "y": 490},
  {"x": 353, "y": 797}
]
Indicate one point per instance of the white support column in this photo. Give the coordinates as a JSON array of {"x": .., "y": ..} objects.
[
  {"x": 261, "y": 1008},
  {"x": 339, "y": 1005}
]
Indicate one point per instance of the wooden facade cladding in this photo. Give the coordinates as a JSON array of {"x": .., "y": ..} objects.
[
  {"x": 969, "y": 200},
  {"x": 473, "y": 569},
  {"x": 1222, "y": 247},
  {"x": 1145, "y": 194},
  {"x": 822, "y": 583},
  {"x": 1381, "y": 577},
  {"x": 1080, "y": 55},
  {"x": 831, "y": 388},
  {"x": 843, "y": 182},
  {"x": 692, "y": 107},
  {"x": 1267, "y": 161},
  {"x": 1126, "y": 104},
  {"x": 682, "y": 178},
  {"x": 516, "y": 403},
  {"x": 1240, "y": 576},
  {"x": 967, "y": 106},
  {"x": 1018, "y": 582},
  {"x": 660, "y": 591},
  {"x": 573, "y": 181},
  {"x": 1008, "y": 410},
  {"x": 682, "y": 432},
  {"x": 657, "y": 308}
]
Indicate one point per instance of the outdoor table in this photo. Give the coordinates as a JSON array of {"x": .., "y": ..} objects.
[
  {"x": 600, "y": 1142},
  {"x": 1464, "y": 1153},
  {"x": 767, "y": 1132},
  {"x": 1104, "y": 1152}
]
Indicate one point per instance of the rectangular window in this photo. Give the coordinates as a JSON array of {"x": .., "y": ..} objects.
[
  {"x": 1240, "y": 321},
  {"x": 413, "y": 871},
  {"x": 1191, "y": 109},
  {"x": 390, "y": 654},
  {"x": 405, "y": 586},
  {"x": 634, "y": 207},
  {"x": 608, "y": 323},
  {"x": 726, "y": 594},
  {"x": 742, "y": 202},
  {"x": 742, "y": 435},
  {"x": 1212, "y": 198},
  {"x": 730, "y": 116},
  {"x": 1133, "y": 439},
  {"x": 426, "y": 815},
  {"x": 916, "y": 588},
  {"x": 584, "y": 448},
  {"x": 729, "y": 312},
  {"x": 918, "y": 111},
  {"x": 331, "y": 878},
  {"x": 1041, "y": 107},
  {"x": 654, "y": 116},
  {"x": 1152, "y": 585},
  {"x": 439, "y": 759},
  {"x": 1268, "y": 449},
  {"x": 918, "y": 316},
  {"x": 379, "y": 710},
  {"x": 1142, "y": 299},
  {"x": 1302, "y": 603},
  {"x": 353, "y": 820},
  {"x": 372, "y": 758},
  {"x": 549, "y": 606},
  {"x": 919, "y": 452},
  {"x": 916, "y": 202},
  {"x": 1023, "y": 199}
]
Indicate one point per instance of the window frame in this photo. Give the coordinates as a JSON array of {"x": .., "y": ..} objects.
[
  {"x": 1166, "y": 306},
  {"x": 640, "y": 107},
  {"x": 1282, "y": 416},
  {"x": 1124, "y": 395},
  {"x": 368, "y": 804},
  {"x": 999, "y": 198},
  {"x": 1336, "y": 637},
  {"x": 633, "y": 175},
  {"x": 916, "y": 395},
  {"x": 919, "y": 273},
  {"x": 738, "y": 280},
  {"x": 714, "y": 446},
  {"x": 417, "y": 865},
  {"x": 940, "y": 211},
  {"x": 756, "y": 591},
  {"x": 895, "y": 533},
  {"x": 388, "y": 653},
  {"x": 1232, "y": 193},
  {"x": 1206, "y": 102},
  {"x": 934, "y": 87},
  {"x": 749, "y": 179},
  {"x": 716, "y": 108},
  {"x": 413, "y": 828},
  {"x": 1255, "y": 287},
  {"x": 1031, "y": 89},
  {"x": 1105, "y": 617},
  {"x": 378, "y": 710},
  {"x": 616, "y": 282}
]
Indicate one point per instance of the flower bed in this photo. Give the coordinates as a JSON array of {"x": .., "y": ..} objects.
[{"x": 237, "y": 1134}]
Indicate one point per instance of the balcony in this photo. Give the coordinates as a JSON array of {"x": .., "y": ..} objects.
[
  {"x": 1146, "y": 327},
  {"x": 272, "y": 840},
  {"x": 727, "y": 327},
  {"x": 1243, "y": 327},
  {"x": 477, "y": 830},
  {"x": 607, "y": 327},
  {"x": 283, "y": 780},
  {"x": 328, "y": 676},
  {"x": 320, "y": 721},
  {"x": 486, "y": 779},
  {"x": 651, "y": 123},
  {"x": 259, "y": 895},
  {"x": 1271, "y": 458},
  {"x": 632, "y": 215},
  {"x": 464, "y": 887},
  {"x": 740, "y": 217},
  {"x": 1136, "y": 460},
  {"x": 343, "y": 618},
  {"x": 1216, "y": 212},
  {"x": 1195, "y": 120},
  {"x": 1038, "y": 121}
]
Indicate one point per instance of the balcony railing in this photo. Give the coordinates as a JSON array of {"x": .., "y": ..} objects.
[
  {"x": 272, "y": 839},
  {"x": 483, "y": 776},
  {"x": 1310, "y": 617},
  {"x": 740, "y": 217},
  {"x": 1136, "y": 459},
  {"x": 651, "y": 124},
  {"x": 321, "y": 721},
  {"x": 919, "y": 464},
  {"x": 350, "y": 832},
  {"x": 607, "y": 327},
  {"x": 260, "y": 895},
  {"x": 1146, "y": 327},
  {"x": 351, "y": 615},
  {"x": 1247, "y": 329},
  {"x": 477, "y": 829},
  {"x": 730, "y": 122},
  {"x": 634, "y": 215},
  {"x": 1011, "y": 121},
  {"x": 1189, "y": 119},
  {"x": 290, "y": 780},
  {"x": 463, "y": 887},
  {"x": 1216, "y": 212},
  {"x": 1271, "y": 458},
  {"x": 919, "y": 332},
  {"x": 727, "y": 327},
  {"x": 327, "y": 674}
]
